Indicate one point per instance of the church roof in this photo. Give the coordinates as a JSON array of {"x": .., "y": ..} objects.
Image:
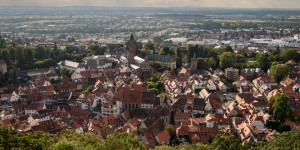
[{"x": 161, "y": 58}]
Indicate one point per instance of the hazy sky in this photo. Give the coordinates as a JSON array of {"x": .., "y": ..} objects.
[{"x": 160, "y": 3}]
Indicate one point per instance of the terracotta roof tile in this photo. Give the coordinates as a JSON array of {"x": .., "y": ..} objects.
[{"x": 163, "y": 136}]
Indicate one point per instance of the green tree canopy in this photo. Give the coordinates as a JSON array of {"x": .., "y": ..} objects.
[
  {"x": 149, "y": 46},
  {"x": 281, "y": 107},
  {"x": 227, "y": 60},
  {"x": 263, "y": 62},
  {"x": 201, "y": 64},
  {"x": 290, "y": 54},
  {"x": 278, "y": 72},
  {"x": 124, "y": 141}
]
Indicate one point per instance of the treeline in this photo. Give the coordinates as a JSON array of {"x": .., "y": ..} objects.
[
  {"x": 70, "y": 140},
  {"x": 30, "y": 57},
  {"x": 65, "y": 140},
  {"x": 22, "y": 58},
  {"x": 287, "y": 140}
]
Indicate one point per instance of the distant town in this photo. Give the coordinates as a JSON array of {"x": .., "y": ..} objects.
[{"x": 167, "y": 79}]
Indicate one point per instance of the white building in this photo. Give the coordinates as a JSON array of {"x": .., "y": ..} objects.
[{"x": 69, "y": 65}]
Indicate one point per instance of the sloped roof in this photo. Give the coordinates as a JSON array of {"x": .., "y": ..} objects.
[
  {"x": 163, "y": 136},
  {"x": 161, "y": 58},
  {"x": 35, "y": 106},
  {"x": 69, "y": 63}
]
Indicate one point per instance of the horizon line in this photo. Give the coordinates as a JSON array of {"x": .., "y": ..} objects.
[{"x": 270, "y": 8}]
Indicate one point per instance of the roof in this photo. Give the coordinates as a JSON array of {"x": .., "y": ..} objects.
[
  {"x": 138, "y": 59},
  {"x": 199, "y": 103},
  {"x": 161, "y": 58},
  {"x": 180, "y": 115},
  {"x": 97, "y": 62},
  {"x": 286, "y": 80},
  {"x": 69, "y": 63},
  {"x": 163, "y": 136},
  {"x": 35, "y": 106},
  {"x": 291, "y": 124},
  {"x": 159, "y": 111},
  {"x": 183, "y": 71}
]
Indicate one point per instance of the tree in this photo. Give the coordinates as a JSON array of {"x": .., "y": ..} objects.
[
  {"x": 290, "y": 54},
  {"x": 65, "y": 144},
  {"x": 263, "y": 62},
  {"x": 281, "y": 107},
  {"x": 171, "y": 131},
  {"x": 71, "y": 39},
  {"x": 15, "y": 78},
  {"x": 45, "y": 63},
  {"x": 286, "y": 140},
  {"x": 228, "y": 143},
  {"x": 2, "y": 42},
  {"x": 228, "y": 49},
  {"x": 199, "y": 51},
  {"x": 178, "y": 62},
  {"x": 8, "y": 138},
  {"x": 63, "y": 71},
  {"x": 19, "y": 55},
  {"x": 37, "y": 140},
  {"x": 149, "y": 46},
  {"x": 240, "y": 59},
  {"x": 201, "y": 64},
  {"x": 167, "y": 51},
  {"x": 89, "y": 89},
  {"x": 210, "y": 62},
  {"x": 124, "y": 141},
  {"x": 156, "y": 65},
  {"x": 212, "y": 53},
  {"x": 271, "y": 102},
  {"x": 227, "y": 60},
  {"x": 284, "y": 128},
  {"x": 40, "y": 53},
  {"x": 275, "y": 52},
  {"x": 278, "y": 72}
]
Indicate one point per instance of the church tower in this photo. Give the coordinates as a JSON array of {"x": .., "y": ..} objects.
[
  {"x": 194, "y": 64},
  {"x": 131, "y": 49}
]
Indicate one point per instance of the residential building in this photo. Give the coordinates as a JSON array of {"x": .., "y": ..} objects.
[{"x": 231, "y": 73}]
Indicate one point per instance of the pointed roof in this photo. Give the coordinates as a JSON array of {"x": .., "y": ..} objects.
[
  {"x": 194, "y": 55},
  {"x": 131, "y": 37}
]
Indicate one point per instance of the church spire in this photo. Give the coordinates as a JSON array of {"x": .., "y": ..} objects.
[{"x": 131, "y": 37}]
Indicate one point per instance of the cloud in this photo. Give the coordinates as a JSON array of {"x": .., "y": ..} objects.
[{"x": 160, "y": 3}]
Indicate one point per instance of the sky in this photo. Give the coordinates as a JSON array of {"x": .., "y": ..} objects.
[{"x": 159, "y": 3}]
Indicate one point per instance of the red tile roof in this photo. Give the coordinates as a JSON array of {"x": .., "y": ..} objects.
[
  {"x": 85, "y": 74},
  {"x": 163, "y": 136},
  {"x": 180, "y": 115},
  {"x": 35, "y": 106}
]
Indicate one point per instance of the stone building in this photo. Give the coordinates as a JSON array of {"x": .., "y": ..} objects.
[
  {"x": 131, "y": 49},
  {"x": 194, "y": 64}
]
